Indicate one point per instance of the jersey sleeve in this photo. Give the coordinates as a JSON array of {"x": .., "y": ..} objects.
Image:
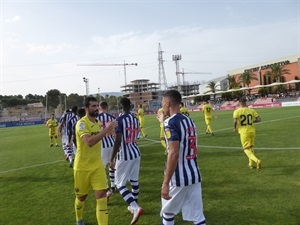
[
  {"x": 171, "y": 131},
  {"x": 81, "y": 128}
]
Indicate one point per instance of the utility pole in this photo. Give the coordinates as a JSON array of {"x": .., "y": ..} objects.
[
  {"x": 176, "y": 58},
  {"x": 161, "y": 70}
]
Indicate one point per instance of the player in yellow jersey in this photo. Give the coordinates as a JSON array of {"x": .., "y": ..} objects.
[
  {"x": 89, "y": 170},
  {"x": 184, "y": 110},
  {"x": 52, "y": 124},
  {"x": 244, "y": 119},
  {"x": 141, "y": 117},
  {"x": 207, "y": 111},
  {"x": 161, "y": 134}
]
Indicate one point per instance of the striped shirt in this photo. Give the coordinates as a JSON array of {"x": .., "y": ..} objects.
[
  {"x": 71, "y": 124},
  {"x": 128, "y": 125},
  {"x": 183, "y": 129},
  {"x": 108, "y": 140},
  {"x": 66, "y": 119}
]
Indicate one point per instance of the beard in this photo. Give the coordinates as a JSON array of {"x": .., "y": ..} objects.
[{"x": 93, "y": 114}]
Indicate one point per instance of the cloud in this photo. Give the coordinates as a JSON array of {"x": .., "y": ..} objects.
[
  {"x": 14, "y": 19},
  {"x": 48, "y": 49}
]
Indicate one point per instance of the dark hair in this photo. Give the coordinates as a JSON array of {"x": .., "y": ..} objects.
[
  {"x": 89, "y": 99},
  {"x": 174, "y": 96},
  {"x": 74, "y": 109},
  {"x": 125, "y": 103},
  {"x": 243, "y": 100},
  {"x": 103, "y": 105},
  {"x": 81, "y": 112}
]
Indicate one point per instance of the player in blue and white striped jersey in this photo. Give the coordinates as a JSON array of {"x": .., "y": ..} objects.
[
  {"x": 128, "y": 157},
  {"x": 181, "y": 189},
  {"x": 107, "y": 143},
  {"x": 68, "y": 151}
]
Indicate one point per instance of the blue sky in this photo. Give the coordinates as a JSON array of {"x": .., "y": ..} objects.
[{"x": 43, "y": 41}]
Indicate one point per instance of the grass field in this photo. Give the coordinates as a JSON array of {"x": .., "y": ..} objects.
[{"x": 37, "y": 183}]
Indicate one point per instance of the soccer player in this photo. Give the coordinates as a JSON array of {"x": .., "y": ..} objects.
[
  {"x": 161, "y": 134},
  {"x": 181, "y": 188},
  {"x": 207, "y": 111},
  {"x": 128, "y": 157},
  {"x": 89, "y": 171},
  {"x": 71, "y": 133},
  {"x": 52, "y": 124},
  {"x": 184, "y": 110},
  {"x": 244, "y": 119},
  {"x": 141, "y": 117},
  {"x": 68, "y": 151},
  {"x": 107, "y": 144}
]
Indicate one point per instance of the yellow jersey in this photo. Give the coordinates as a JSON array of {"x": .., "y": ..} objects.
[
  {"x": 245, "y": 117},
  {"x": 87, "y": 158},
  {"x": 53, "y": 126},
  {"x": 207, "y": 110}
]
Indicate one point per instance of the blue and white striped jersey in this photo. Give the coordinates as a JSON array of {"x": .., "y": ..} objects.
[
  {"x": 66, "y": 119},
  {"x": 108, "y": 140},
  {"x": 72, "y": 124},
  {"x": 183, "y": 129},
  {"x": 128, "y": 125}
]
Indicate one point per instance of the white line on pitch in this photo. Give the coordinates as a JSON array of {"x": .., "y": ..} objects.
[{"x": 27, "y": 167}]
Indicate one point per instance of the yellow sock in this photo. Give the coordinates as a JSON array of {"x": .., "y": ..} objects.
[
  {"x": 51, "y": 140},
  {"x": 78, "y": 209},
  {"x": 250, "y": 155},
  {"x": 101, "y": 211},
  {"x": 55, "y": 140}
]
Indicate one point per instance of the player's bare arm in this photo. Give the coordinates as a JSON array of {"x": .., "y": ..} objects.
[
  {"x": 92, "y": 140},
  {"x": 116, "y": 148},
  {"x": 172, "y": 161}
]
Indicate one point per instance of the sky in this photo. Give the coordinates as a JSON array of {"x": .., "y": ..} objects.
[{"x": 43, "y": 41}]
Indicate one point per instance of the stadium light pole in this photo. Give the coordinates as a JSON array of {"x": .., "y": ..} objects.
[
  {"x": 86, "y": 81},
  {"x": 99, "y": 94}
]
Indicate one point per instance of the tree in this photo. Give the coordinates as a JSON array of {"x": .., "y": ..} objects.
[
  {"x": 75, "y": 99},
  {"x": 246, "y": 78},
  {"x": 53, "y": 98},
  {"x": 212, "y": 88},
  {"x": 232, "y": 82},
  {"x": 276, "y": 73}
]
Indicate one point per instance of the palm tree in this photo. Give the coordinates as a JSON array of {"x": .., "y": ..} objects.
[
  {"x": 277, "y": 72},
  {"x": 212, "y": 88},
  {"x": 232, "y": 82},
  {"x": 246, "y": 78}
]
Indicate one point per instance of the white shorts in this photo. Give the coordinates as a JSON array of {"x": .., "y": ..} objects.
[
  {"x": 186, "y": 199},
  {"x": 126, "y": 171},
  {"x": 106, "y": 154}
]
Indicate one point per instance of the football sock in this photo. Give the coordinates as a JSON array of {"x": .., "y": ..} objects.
[
  {"x": 101, "y": 211},
  {"x": 209, "y": 130},
  {"x": 168, "y": 219},
  {"x": 51, "y": 140},
  {"x": 250, "y": 155},
  {"x": 111, "y": 174},
  {"x": 127, "y": 196},
  {"x": 135, "y": 189},
  {"x": 78, "y": 209}
]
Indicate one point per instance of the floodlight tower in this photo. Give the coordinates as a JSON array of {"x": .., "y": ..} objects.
[
  {"x": 86, "y": 81},
  {"x": 161, "y": 70},
  {"x": 176, "y": 58}
]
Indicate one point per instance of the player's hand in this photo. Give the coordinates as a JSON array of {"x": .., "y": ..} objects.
[
  {"x": 111, "y": 126},
  {"x": 112, "y": 164},
  {"x": 160, "y": 117},
  {"x": 165, "y": 190}
]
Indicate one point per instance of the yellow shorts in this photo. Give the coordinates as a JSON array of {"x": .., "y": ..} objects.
[
  {"x": 53, "y": 132},
  {"x": 84, "y": 180},
  {"x": 247, "y": 139},
  {"x": 208, "y": 121}
]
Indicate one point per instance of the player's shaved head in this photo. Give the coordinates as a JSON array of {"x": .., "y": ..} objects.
[{"x": 173, "y": 96}]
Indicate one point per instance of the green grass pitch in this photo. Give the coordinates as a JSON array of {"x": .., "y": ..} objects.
[{"x": 37, "y": 183}]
